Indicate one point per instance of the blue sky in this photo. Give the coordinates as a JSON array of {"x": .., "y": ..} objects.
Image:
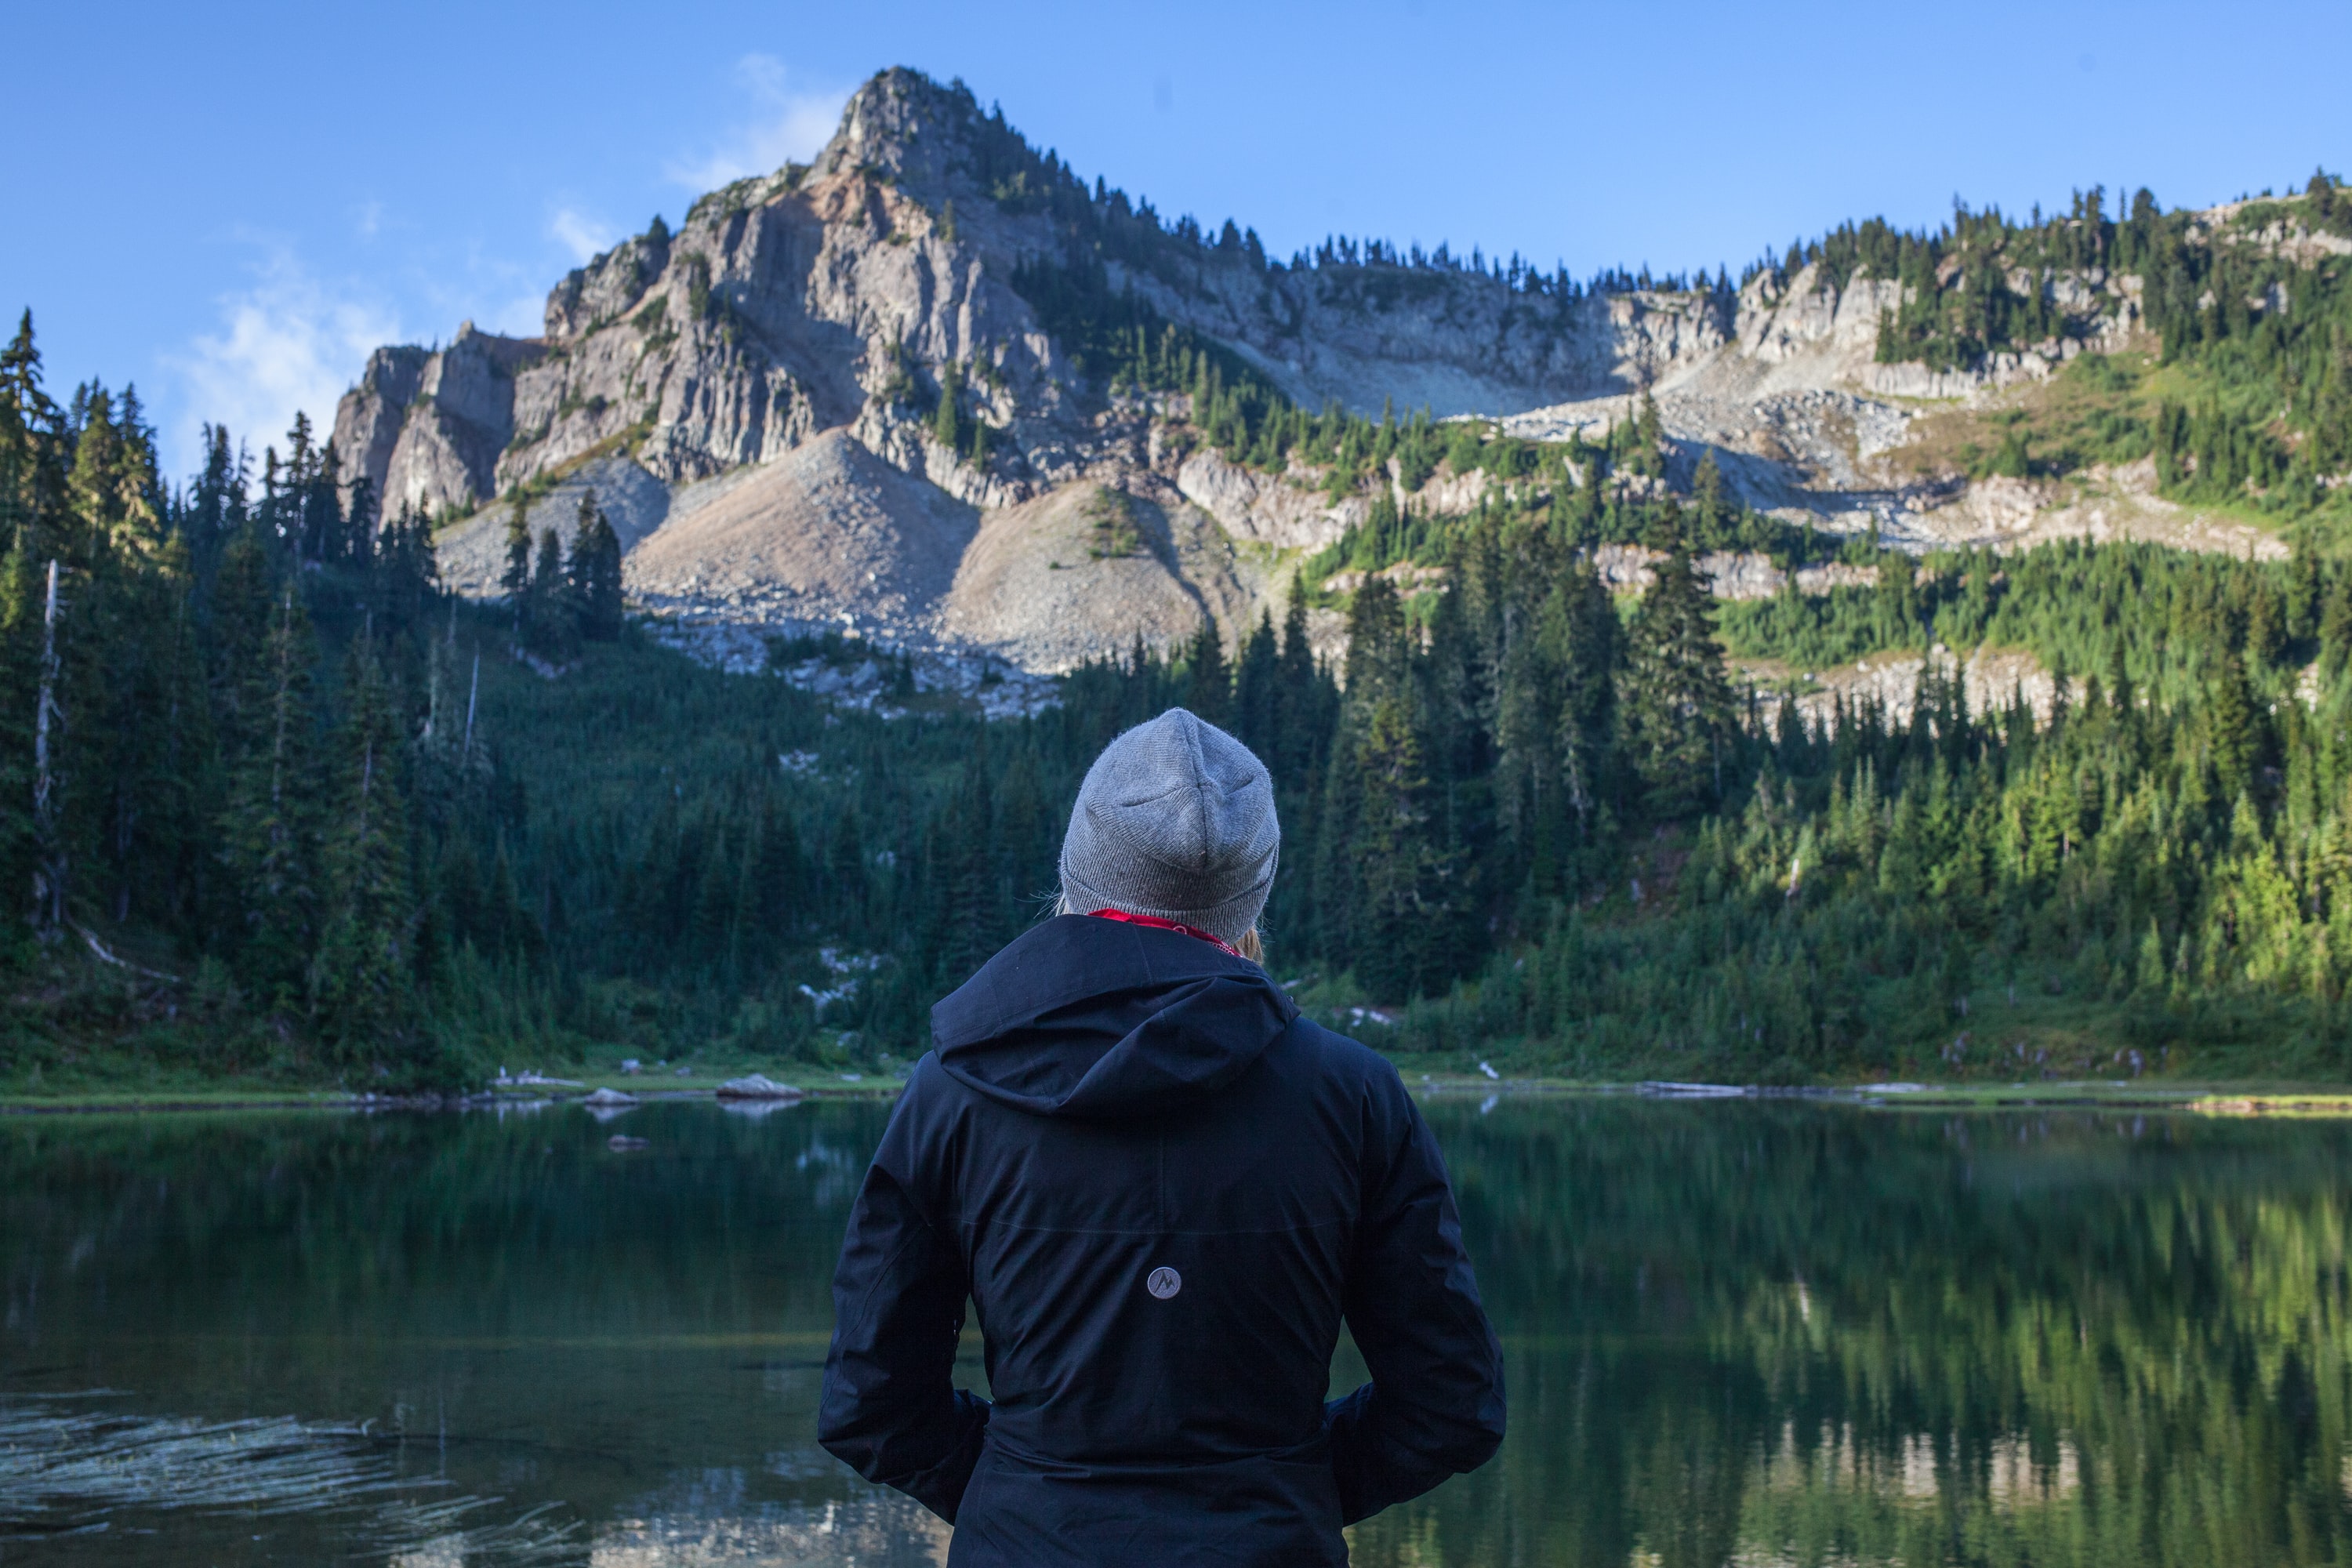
[{"x": 229, "y": 205}]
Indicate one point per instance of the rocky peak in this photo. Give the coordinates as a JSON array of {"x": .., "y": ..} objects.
[{"x": 933, "y": 142}]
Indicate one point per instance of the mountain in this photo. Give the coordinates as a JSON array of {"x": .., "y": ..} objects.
[
  {"x": 876, "y": 390},
  {"x": 1834, "y": 798}
]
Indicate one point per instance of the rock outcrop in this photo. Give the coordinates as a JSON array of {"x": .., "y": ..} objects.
[{"x": 426, "y": 428}]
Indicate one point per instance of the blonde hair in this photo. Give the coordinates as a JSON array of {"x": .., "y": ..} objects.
[{"x": 1250, "y": 946}]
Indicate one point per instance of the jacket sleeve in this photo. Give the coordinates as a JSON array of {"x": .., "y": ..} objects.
[
  {"x": 1435, "y": 1406},
  {"x": 890, "y": 1408}
]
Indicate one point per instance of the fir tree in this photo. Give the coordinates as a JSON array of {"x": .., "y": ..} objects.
[
  {"x": 1678, "y": 707},
  {"x": 114, "y": 489},
  {"x": 360, "y": 523},
  {"x": 1303, "y": 699},
  {"x": 965, "y": 864},
  {"x": 1707, "y": 506},
  {"x": 595, "y": 572},
  {"x": 20, "y": 676},
  {"x": 1256, "y": 703},
  {"x": 2336, "y": 624},
  {"x": 515, "y": 581},
  {"x": 1208, "y": 686},
  {"x": 944, "y": 426},
  {"x": 1379, "y": 655},
  {"x": 551, "y": 625},
  {"x": 269, "y": 831},
  {"x": 33, "y": 452},
  {"x": 1397, "y": 865},
  {"x": 2235, "y": 731},
  {"x": 365, "y": 962}
]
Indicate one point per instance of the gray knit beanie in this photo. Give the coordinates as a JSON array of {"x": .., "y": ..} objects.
[{"x": 1175, "y": 819}]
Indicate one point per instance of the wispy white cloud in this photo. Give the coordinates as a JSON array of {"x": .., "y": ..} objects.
[
  {"x": 289, "y": 342},
  {"x": 789, "y": 124},
  {"x": 581, "y": 235}
]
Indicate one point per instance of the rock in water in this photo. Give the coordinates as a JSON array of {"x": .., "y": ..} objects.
[
  {"x": 610, "y": 1097},
  {"x": 759, "y": 1085}
]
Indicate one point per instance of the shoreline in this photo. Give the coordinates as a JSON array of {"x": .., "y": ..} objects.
[{"x": 2249, "y": 1098}]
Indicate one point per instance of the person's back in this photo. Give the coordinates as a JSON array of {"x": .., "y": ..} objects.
[{"x": 1161, "y": 1188}]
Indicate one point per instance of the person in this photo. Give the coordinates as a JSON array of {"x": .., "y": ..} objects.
[{"x": 1163, "y": 1188}]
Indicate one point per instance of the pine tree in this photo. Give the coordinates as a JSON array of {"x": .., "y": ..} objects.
[
  {"x": 1208, "y": 687},
  {"x": 2305, "y": 590},
  {"x": 847, "y": 881},
  {"x": 944, "y": 426},
  {"x": 243, "y": 607},
  {"x": 2335, "y": 624},
  {"x": 595, "y": 572},
  {"x": 405, "y": 577},
  {"x": 1452, "y": 713},
  {"x": 779, "y": 874},
  {"x": 324, "y": 531},
  {"x": 1257, "y": 704},
  {"x": 269, "y": 829},
  {"x": 2266, "y": 627},
  {"x": 1397, "y": 863},
  {"x": 1378, "y": 655},
  {"x": 114, "y": 489},
  {"x": 20, "y": 678},
  {"x": 33, "y": 452},
  {"x": 1648, "y": 435},
  {"x": 714, "y": 904},
  {"x": 2235, "y": 732},
  {"x": 1305, "y": 705},
  {"x": 365, "y": 964},
  {"x": 515, "y": 581},
  {"x": 968, "y": 871},
  {"x": 361, "y": 522},
  {"x": 552, "y": 625},
  {"x": 1678, "y": 707},
  {"x": 1707, "y": 504}
]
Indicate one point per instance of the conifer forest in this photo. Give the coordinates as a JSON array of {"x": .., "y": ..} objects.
[{"x": 280, "y": 805}]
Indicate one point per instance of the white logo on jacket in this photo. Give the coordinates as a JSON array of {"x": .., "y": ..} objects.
[{"x": 1164, "y": 1283}]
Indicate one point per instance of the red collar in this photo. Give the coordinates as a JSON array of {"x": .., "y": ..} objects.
[{"x": 1155, "y": 923}]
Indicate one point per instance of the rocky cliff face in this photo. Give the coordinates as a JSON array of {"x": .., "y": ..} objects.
[
  {"x": 426, "y": 428},
  {"x": 835, "y": 304}
]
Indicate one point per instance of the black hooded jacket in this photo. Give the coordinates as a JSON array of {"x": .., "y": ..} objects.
[{"x": 1162, "y": 1189}]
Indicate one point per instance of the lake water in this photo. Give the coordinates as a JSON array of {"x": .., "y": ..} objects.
[{"x": 1745, "y": 1332}]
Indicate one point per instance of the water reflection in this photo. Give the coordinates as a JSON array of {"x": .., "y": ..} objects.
[
  {"x": 1764, "y": 1334},
  {"x": 1736, "y": 1333}
]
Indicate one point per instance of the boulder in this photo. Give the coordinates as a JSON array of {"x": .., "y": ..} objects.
[
  {"x": 758, "y": 1086},
  {"x": 610, "y": 1097}
]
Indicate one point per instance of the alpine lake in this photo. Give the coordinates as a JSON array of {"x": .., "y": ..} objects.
[{"x": 1754, "y": 1331}]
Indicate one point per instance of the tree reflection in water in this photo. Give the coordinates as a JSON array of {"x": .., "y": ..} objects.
[
  {"x": 1737, "y": 1332},
  {"x": 1782, "y": 1333}
]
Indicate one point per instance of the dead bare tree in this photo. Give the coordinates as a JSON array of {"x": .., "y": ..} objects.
[{"x": 49, "y": 854}]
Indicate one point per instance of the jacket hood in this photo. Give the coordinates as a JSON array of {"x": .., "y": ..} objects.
[{"x": 1087, "y": 1017}]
